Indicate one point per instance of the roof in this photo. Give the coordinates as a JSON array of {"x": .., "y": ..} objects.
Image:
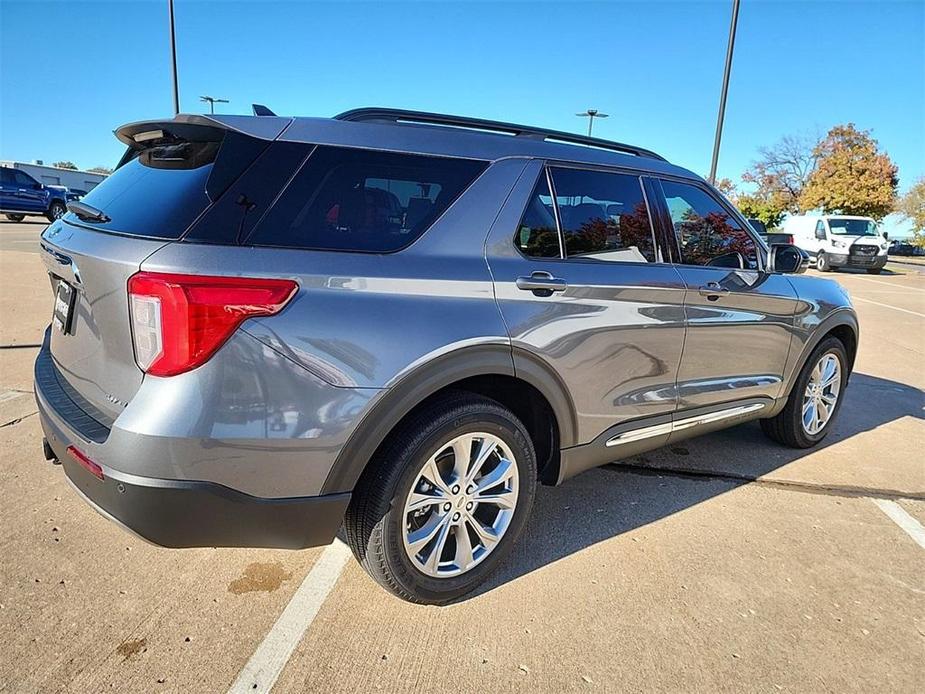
[{"x": 427, "y": 133}]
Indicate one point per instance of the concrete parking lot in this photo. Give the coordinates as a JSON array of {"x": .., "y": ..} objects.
[{"x": 725, "y": 563}]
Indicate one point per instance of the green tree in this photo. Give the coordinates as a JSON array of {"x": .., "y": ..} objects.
[
  {"x": 65, "y": 165},
  {"x": 782, "y": 170},
  {"x": 912, "y": 207},
  {"x": 852, "y": 176},
  {"x": 769, "y": 211},
  {"x": 100, "y": 170}
]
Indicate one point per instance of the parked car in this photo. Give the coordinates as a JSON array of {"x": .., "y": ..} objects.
[
  {"x": 22, "y": 196},
  {"x": 836, "y": 241},
  {"x": 769, "y": 237},
  {"x": 904, "y": 248},
  {"x": 267, "y": 327}
]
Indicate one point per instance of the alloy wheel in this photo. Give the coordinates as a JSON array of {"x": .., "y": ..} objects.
[
  {"x": 821, "y": 394},
  {"x": 460, "y": 505}
]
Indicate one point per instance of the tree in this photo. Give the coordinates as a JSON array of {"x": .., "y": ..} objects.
[
  {"x": 726, "y": 187},
  {"x": 768, "y": 211},
  {"x": 912, "y": 207},
  {"x": 782, "y": 171},
  {"x": 100, "y": 170},
  {"x": 65, "y": 165},
  {"x": 852, "y": 176}
]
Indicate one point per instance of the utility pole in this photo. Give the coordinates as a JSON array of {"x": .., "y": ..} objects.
[
  {"x": 173, "y": 59},
  {"x": 591, "y": 114},
  {"x": 211, "y": 100},
  {"x": 722, "y": 99}
]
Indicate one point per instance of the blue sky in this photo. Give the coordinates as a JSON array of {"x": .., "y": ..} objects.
[{"x": 72, "y": 71}]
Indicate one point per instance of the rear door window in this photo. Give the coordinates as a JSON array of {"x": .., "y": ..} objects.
[
  {"x": 360, "y": 200},
  {"x": 604, "y": 216}
]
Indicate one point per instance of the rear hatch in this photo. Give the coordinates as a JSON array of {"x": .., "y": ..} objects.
[{"x": 171, "y": 173}]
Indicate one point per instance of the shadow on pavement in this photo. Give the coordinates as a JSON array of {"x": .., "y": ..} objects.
[{"x": 606, "y": 502}]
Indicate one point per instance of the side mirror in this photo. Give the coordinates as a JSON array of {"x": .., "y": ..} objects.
[
  {"x": 886, "y": 236},
  {"x": 38, "y": 186},
  {"x": 787, "y": 258}
]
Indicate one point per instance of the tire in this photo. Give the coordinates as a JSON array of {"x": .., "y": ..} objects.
[
  {"x": 56, "y": 211},
  {"x": 822, "y": 263},
  {"x": 787, "y": 427},
  {"x": 379, "y": 527},
  {"x": 16, "y": 217},
  {"x": 874, "y": 270}
]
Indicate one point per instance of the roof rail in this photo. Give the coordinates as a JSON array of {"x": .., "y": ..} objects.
[{"x": 396, "y": 115}]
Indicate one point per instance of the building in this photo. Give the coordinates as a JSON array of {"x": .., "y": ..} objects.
[{"x": 78, "y": 181}]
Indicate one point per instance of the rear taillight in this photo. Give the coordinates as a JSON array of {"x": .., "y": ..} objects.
[
  {"x": 179, "y": 321},
  {"x": 790, "y": 240},
  {"x": 85, "y": 462}
]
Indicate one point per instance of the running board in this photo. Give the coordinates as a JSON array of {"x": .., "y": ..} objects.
[{"x": 681, "y": 424}]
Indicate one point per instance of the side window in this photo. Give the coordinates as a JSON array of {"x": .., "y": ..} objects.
[
  {"x": 707, "y": 234},
  {"x": 361, "y": 200},
  {"x": 537, "y": 235},
  {"x": 603, "y": 216},
  {"x": 6, "y": 176},
  {"x": 23, "y": 180},
  {"x": 820, "y": 230}
]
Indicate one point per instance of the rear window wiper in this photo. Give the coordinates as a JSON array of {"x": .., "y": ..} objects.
[{"x": 86, "y": 212}]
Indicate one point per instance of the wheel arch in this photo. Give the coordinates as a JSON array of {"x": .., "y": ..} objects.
[
  {"x": 532, "y": 391},
  {"x": 842, "y": 324}
]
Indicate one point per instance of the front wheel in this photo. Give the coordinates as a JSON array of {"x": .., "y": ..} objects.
[
  {"x": 823, "y": 264},
  {"x": 16, "y": 217},
  {"x": 444, "y": 501},
  {"x": 55, "y": 211},
  {"x": 814, "y": 400}
]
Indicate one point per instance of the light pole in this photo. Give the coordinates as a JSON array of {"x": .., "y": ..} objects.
[
  {"x": 173, "y": 59},
  {"x": 591, "y": 114},
  {"x": 722, "y": 97},
  {"x": 211, "y": 100}
]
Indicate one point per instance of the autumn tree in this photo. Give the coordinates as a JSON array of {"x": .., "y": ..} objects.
[
  {"x": 782, "y": 171},
  {"x": 65, "y": 165},
  {"x": 852, "y": 176},
  {"x": 912, "y": 207},
  {"x": 755, "y": 207}
]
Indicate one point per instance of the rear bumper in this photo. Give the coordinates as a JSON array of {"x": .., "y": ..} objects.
[{"x": 180, "y": 513}]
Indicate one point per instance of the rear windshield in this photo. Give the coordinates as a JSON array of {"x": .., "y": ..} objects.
[
  {"x": 157, "y": 193},
  {"x": 360, "y": 200}
]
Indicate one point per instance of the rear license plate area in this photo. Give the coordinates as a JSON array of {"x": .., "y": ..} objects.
[{"x": 63, "y": 315}]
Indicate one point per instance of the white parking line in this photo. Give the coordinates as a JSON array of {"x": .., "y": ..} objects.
[
  {"x": 892, "y": 284},
  {"x": 895, "y": 308},
  {"x": 901, "y": 517},
  {"x": 271, "y": 656}
]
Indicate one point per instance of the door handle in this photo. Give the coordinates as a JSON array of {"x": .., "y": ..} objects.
[
  {"x": 713, "y": 291},
  {"x": 541, "y": 284}
]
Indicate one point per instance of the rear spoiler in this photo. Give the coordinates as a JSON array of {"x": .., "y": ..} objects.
[{"x": 188, "y": 126}]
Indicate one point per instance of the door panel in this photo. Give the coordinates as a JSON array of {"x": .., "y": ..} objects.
[
  {"x": 739, "y": 318},
  {"x": 612, "y": 331},
  {"x": 28, "y": 196},
  {"x": 737, "y": 338}
]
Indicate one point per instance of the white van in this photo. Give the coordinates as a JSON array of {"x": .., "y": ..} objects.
[{"x": 839, "y": 241}]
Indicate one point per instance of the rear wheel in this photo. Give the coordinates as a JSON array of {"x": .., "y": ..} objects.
[
  {"x": 444, "y": 501},
  {"x": 56, "y": 210},
  {"x": 815, "y": 399},
  {"x": 16, "y": 217}
]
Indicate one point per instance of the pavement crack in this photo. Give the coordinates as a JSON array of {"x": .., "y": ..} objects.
[
  {"x": 13, "y": 422},
  {"x": 839, "y": 490}
]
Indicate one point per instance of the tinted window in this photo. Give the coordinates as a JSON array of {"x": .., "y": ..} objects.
[
  {"x": 24, "y": 180},
  {"x": 707, "y": 233},
  {"x": 358, "y": 200},
  {"x": 537, "y": 235},
  {"x": 603, "y": 216},
  {"x": 6, "y": 176}
]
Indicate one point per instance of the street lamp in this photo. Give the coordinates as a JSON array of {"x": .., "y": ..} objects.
[
  {"x": 173, "y": 59},
  {"x": 722, "y": 97},
  {"x": 211, "y": 100},
  {"x": 591, "y": 114}
]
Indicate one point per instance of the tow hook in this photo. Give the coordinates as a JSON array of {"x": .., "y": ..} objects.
[{"x": 49, "y": 453}]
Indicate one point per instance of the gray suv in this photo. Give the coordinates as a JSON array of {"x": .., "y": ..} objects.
[{"x": 268, "y": 328}]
